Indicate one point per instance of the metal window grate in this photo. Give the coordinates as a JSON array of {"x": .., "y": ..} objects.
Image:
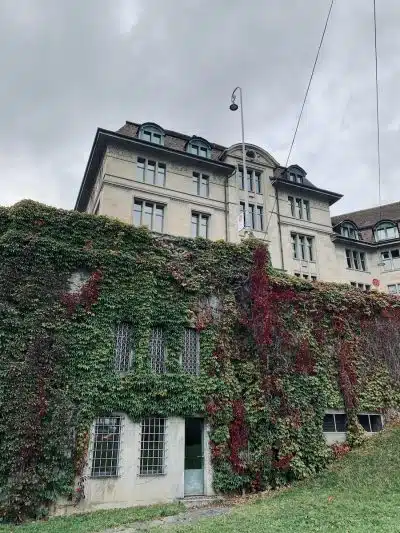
[
  {"x": 190, "y": 358},
  {"x": 106, "y": 446},
  {"x": 123, "y": 347},
  {"x": 152, "y": 447},
  {"x": 157, "y": 351}
]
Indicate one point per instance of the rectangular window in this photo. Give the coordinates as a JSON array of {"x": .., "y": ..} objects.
[
  {"x": 294, "y": 246},
  {"x": 200, "y": 224},
  {"x": 391, "y": 259},
  {"x": 260, "y": 218},
  {"x": 394, "y": 289},
  {"x": 191, "y": 352},
  {"x": 371, "y": 423},
  {"x": 256, "y": 216},
  {"x": 302, "y": 247},
  {"x": 148, "y": 214},
  {"x": 335, "y": 423},
  {"x": 253, "y": 180},
  {"x": 257, "y": 179},
  {"x": 150, "y": 172},
  {"x": 140, "y": 168},
  {"x": 201, "y": 184},
  {"x": 313, "y": 278},
  {"x": 299, "y": 208},
  {"x": 123, "y": 347},
  {"x": 291, "y": 203},
  {"x": 356, "y": 260},
  {"x": 157, "y": 351},
  {"x": 106, "y": 447},
  {"x": 303, "y": 255},
  {"x": 152, "y": 447},
  {"x": 310, "y": 248}
]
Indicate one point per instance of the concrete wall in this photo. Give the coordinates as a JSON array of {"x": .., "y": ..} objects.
[{"x": 131, "y": 489}]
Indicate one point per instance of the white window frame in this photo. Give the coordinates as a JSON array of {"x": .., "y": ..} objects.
[
  {"x": 351, "y": 230},
  {"x": 157, "y": 165},
  {"x": 200, "y": 216},
  {"x": 397, "y": 289},
  {"x": 390, "y": 263},
  {"x": 97, "y": 475},
  {"x": 155, "y": 206},
  {"x": 154, "y": 133},
  {"x": 299, "y": 208},
  {"x": 256, "y": 215},
  {"x": 303, "y": 247},
  {"x": 202, "y": 184},
  {"x": 254, "y": 180},
  {"x": 147, "y": 472},
  {"x": 359, "y": 259},
  {"x": 385, "y": 226}
]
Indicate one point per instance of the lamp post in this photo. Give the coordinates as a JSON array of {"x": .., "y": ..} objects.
[{"x": 235, "y": 107}]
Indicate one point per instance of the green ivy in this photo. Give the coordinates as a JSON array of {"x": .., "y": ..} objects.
[{"x": 57, "y": 353}]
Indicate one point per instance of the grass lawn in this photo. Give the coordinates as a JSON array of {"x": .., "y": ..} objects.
[
  {"x": 359, "y": 494},
  {"x": 96, "y": 521}
]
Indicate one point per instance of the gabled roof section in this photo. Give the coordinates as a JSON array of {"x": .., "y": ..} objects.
[
  {"x": 261, "y": 155},
  {"x": 281, "y": 179}
]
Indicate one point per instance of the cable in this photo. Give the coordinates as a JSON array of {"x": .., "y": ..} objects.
[
  {"x": 303, "y": 104},
  {"x": 309, "y": 83},
  {"x": 378, "y": 146}
]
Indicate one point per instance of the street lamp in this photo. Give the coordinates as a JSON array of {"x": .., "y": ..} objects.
[{"x": 235, "y": 107}]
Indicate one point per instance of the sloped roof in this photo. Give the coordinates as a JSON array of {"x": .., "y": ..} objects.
[
  {"x": 367, "y": 218},
  {"x": 173, "y": 139}
]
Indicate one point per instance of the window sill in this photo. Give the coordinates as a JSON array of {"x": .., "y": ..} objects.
[
  {"x": 361, "y": 271},
  {"x": 152, "y": 475},
  {"x": 111, "y": 476}
]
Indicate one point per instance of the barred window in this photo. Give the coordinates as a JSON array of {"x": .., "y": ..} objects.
[
  {"x": 157, "y": 351},
  {"x": 191, "y": 355},
  {"x": 123, "y": 347},
  {"x": 152, "y": 447},
  {"x": 106, "y": 446}
]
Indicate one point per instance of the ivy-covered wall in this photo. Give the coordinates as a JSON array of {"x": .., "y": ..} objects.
[{"x": 275, "y": 352}]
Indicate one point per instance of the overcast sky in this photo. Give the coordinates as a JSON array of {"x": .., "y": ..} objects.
[{"x": 69, "y": 66}]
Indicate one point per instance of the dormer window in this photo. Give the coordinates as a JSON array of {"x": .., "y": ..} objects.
[
  {"x": 296, "y": 174},
  {"x": 295, "y": 178},
  {"x": 151, "y": 133},
  {"x": 350, "y": 231},
  {"x": 386, "y": 231},
  {"x": 199, "y": 147}
]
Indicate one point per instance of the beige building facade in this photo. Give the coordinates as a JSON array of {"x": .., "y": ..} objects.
[{"x": 186, "y": 186}]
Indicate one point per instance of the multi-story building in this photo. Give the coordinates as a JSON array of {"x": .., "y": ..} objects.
[{"x": 184, "y": 185}]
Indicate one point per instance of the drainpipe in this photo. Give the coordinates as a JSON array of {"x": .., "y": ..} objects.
[
  {"x": 279, "y": 223},
  {"x": 226, "y": 206}
]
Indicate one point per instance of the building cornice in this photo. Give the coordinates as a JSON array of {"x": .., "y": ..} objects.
[{"x": 104, "y": 138}]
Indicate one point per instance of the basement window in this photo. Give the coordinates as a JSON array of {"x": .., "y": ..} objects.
[
  {"x": 371, "y": 422},
  {"x": 335, "y": 423}
]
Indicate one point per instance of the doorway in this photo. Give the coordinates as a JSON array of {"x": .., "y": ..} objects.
[{"x": 194, "y": 457}]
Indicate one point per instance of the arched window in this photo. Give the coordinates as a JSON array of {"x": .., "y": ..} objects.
[
  {"x": 349, "y": 230},
  {"x": 152, "y": 133},
  {"x": 198, "y": 146},
  {"x": 385, "y": 231}
]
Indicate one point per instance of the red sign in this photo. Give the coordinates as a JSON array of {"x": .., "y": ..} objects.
[{"x": 375, "y": 282}]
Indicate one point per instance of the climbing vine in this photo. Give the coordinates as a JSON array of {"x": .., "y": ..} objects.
[{"x": 275, "y": 352}]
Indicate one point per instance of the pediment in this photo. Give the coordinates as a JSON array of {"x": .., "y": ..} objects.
[{"x": 261, "y": 157}]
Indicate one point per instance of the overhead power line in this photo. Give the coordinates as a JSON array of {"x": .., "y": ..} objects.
[
  {"x": 309, "y": 83},
  {"x": 378, "y": 136},
  {"x": 303, "y": 104}
]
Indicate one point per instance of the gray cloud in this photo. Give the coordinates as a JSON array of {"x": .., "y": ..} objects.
[{"x": 69, "y": 66}]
